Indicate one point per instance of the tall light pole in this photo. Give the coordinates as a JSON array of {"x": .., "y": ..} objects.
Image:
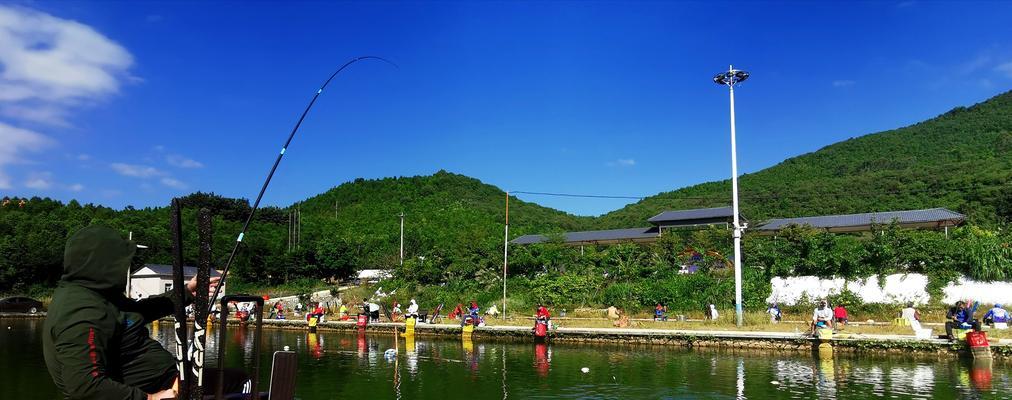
[
  {"x": 729, "y": 79},
  {"x": 402, "y": 237},
  {"x": 505, "y": 254}
]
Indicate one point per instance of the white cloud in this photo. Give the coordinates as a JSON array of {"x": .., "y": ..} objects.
[
  {"x": 47, "y": 114},
  {"x": 135, "y": 170},
  {"x": 17, "y": 142},
  {"x": 39, "y": 181},
  {"x": 49, "y": 66},
  {"x": 77, "y": 187},
  {"x": 622, "y": 162},
  {"x": 1005, "y": 69},
  {"x": 843, "y": 83},
  {"x": 183, "y": 162},
  {"x": 52, "y": 59},
  {"x": 173, "y": 183},
  {"x": 83, "y": 157},
  {"x": 973, "y": 65}
]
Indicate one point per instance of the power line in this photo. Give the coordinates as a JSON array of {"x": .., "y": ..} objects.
[
  {"x": 594, "y": 196},
  {"x": 777, "y": 196}
]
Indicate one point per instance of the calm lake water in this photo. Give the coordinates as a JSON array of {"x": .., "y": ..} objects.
[{"x": 341, "y": 365}]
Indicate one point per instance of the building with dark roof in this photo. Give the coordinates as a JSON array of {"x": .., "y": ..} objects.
[
  {"x": 678, "y": 219},
  {"x": 932, "y": 218},
  {"x": 695, "y": 218}
]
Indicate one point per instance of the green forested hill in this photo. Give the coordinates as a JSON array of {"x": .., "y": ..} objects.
[
  {"x": 447, "y": 216},
  {"x": 456, "y": 222},
  {"x": 961, "y": 160}
]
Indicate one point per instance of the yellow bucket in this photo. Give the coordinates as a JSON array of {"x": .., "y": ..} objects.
[
  {"x": 901, "y": 322},
  {"x": 960, "y": 334},
  {"x": 409, "y": 327},
  {"x": 825, "y": 334}
]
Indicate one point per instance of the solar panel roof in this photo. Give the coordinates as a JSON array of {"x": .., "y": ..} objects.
[
  {"x": 939, "y": 215},
  {"x": 695, "y": 214},
  {"x": 595, "y": 236}
]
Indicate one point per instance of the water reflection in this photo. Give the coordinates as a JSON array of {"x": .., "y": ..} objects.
[
  {"x": 542, "y": 359},
  {"x": 354, "y": 365}
]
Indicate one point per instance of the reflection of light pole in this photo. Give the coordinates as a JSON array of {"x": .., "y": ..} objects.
[{"x": 730, "y": 78}]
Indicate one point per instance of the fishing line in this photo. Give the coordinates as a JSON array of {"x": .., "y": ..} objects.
[{"x": 256, "y": 204}]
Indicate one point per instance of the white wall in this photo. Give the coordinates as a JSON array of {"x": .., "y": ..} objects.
[
  {"x": 147, "y": 286},
  {"x": 898, "y": 289}
]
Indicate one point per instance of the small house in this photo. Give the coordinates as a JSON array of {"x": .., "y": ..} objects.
[{"x": 155, "y": 279}]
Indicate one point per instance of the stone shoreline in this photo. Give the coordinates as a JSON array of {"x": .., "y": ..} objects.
[
  {"x": 780, "y": 341},
  {"x": 777, "y": 341}
]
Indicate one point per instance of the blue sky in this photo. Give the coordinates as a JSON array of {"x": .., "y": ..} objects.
[{"x": 133, "y": 103}]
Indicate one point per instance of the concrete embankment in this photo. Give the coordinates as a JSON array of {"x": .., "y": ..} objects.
[
  {"x": 780, "y": 341},
  {"x": 855, "y": 343}
]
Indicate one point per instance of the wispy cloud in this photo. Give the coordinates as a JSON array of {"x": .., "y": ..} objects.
[
  {"x": 176, "y": 160},
  {"x": 974, "y": 64},
  {"x": 16, "y": 143},
  {"x": 48, "y": 67},
  {"x": 844, "y": 83},
  {"x": 622, "y": 162},
  {"x": 1004, "y": 69},
  {"x": 50, "y": 59},
  {"x": 173, "y": 183},
  {"x": 39, "y": 181},
  {"x": 76, "y": 187},
  {"x": 136, "y": 170}
]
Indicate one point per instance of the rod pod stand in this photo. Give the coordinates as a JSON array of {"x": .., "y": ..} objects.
[
  {"x": 205, "y": 235},
  {"x": 179, "y": 300}
]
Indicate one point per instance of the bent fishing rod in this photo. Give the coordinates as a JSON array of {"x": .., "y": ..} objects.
[{"x": 256, "y": 204}]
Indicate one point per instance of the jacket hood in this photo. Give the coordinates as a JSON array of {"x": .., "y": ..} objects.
[{"x": 98, "y": 258}]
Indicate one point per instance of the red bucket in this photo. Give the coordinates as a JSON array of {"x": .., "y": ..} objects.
[
  {"x": 540, "y": 330},
  {"x": 363, "y": 320},
  {"x": 976, "y": 339}
]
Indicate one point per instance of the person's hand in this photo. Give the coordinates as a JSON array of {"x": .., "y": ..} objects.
[
  {"x": 165, "y": 394},
  {"x": 191, "y": 286}
]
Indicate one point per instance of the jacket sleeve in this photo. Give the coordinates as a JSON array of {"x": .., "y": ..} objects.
[
  {"x": 81, "y": 350},
  {"x": 158, "y": 306}
]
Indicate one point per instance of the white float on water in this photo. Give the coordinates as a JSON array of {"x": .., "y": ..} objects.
[{"x": 585, "y": 370}]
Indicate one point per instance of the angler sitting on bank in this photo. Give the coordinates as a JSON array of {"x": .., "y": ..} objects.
[
  {"x": 413, "y": 309},
  {"x": 96, "y": 343},
  {"x": 542, "y": 321},
  {"x": 960, "y": 317},
  {"x": 997, "y": 317}
]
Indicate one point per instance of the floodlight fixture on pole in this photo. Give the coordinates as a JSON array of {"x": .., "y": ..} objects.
[{"x": 729, "y": 79}]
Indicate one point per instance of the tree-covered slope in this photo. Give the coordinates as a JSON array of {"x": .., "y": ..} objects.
[
  {"x": 445, "y": 213},
  {"x": 961, "y": 160}
]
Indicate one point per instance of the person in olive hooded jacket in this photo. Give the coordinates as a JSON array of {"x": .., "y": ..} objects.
[{"x": 95, "y": 341}]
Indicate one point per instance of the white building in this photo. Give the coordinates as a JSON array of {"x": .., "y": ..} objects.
[
  {"x": 155, "y": 279},
  {"x": 372, "y": 275}
]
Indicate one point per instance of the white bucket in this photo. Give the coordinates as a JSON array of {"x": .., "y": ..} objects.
[{"x": 1000, "y": 325}]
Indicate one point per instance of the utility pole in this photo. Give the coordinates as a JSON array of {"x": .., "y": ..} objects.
[
  {"x": 402, "y": 237},
  {"x": 729, "y": 79}
]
